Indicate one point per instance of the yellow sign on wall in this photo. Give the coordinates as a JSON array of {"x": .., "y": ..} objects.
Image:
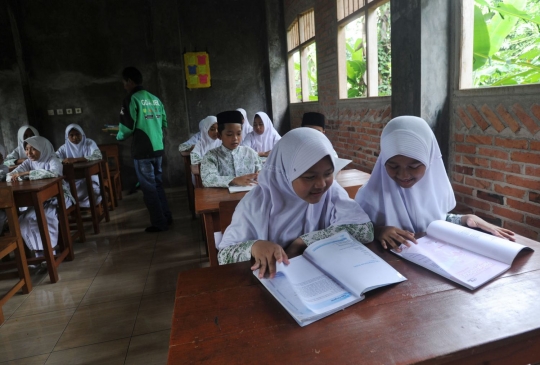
[{"x": 197, "y": 69}]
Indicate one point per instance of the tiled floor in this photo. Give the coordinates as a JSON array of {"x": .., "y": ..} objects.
[{"x": 114, "y": 302}]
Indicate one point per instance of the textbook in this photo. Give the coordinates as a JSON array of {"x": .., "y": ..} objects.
[
  {"x": 237, "y": 189},
  {"x": 461, "y": 254},
  {"x": 329, "y": 276}
]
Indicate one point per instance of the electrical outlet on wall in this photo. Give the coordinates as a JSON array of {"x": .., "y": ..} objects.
[
  {"x": 50, "y": 112},
  {"x": 78, "y": 110},
  {"x": 59, "y": 111},
  {"x": 69, "y": 111}
]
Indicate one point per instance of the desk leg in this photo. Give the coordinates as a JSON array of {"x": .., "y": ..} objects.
[
  {"x": 210, "y": 242},
  {"x": 92, "y": 199},
  {"x": 64, "y": 224},
  {"x": 104, "y": 203},
  {"x": 45, "y": 238}
]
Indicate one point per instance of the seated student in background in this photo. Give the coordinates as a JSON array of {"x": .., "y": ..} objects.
[
  {"x": 230, "y": 164},
  {"x": 18, "y": 155},
  {"x": 246, "y": 127},
  {"x": 295, "y": 204},
  {"x": 409, "y": 188},
  {"x": 263, "y": 137},
  {"x": 42, "y": 163},
  {"x": 313, "y": 120},
  {"x": 78, "y": 148},
  {"x": 209, "y": 139},
  {"x": 192, "y": 141}
]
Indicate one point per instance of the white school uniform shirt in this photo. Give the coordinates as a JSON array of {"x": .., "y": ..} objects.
[
  {"x": 246, "y": 127},
  {"x": 19, "y": 151},
  {"x": 272, "y": 211},
  {"x": 206, "y": 143},
  {"x": 221, "y": 165},
  {"x": 262, "y": 142},
  {"x": 431, "y": 198}
]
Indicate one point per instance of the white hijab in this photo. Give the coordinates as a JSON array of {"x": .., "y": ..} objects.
[
  {"x": 206, "y": 143},
  {"x": 20, "y": 139},
  {"x": 246, "y": 127},
  {"x": 266, "y": 141},
  {"x": 48, "y": 158},
  {"x": 272, "y": 211},
  {"x": 431, "y": 198},
  {"x": 85, "y": 147}
]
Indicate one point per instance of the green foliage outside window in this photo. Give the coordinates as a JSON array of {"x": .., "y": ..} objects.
[{"x": 506, "y": 49}]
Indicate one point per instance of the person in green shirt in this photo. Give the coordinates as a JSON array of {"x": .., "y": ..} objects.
[{"x": 143, "y": 117}]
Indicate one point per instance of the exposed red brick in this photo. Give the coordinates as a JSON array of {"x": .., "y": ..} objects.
[
  {"x": 462, "y": 189},
  {"x": 535, "y": 145},
  {"x": 458, "y": 122},
  {"x": 505, "y": 166},
  {"x": 476, "y": 161},
  {"x": 464, "y": 170},
  {"x": 531, "y": 221},
  {"x": 457, "y": 177},
  {"x": 523, "y": 206},
  {"x": 509, "y": 191},
  {"x": 482, "y": 184},
  {"x": 490, "y": 219},
  {"x": 459, "y": 137},
  {"x": 507, "y": 213},
  {"x": 533, "y": 184},
  {"x": 535, "y": 109},
  {"x": 511, "y": 143},
  {"x": 507, "y": 118},
  {"x": 492, "y": 118},
  {"x": 477, "y": 203},
  {"x": 535, "y": 198},
  {"x": 462, "y": 209},
  {"x": 532, "y": 158},
  {"x": 457, "y": 158},
  {"x": 478, "y": 118},
  {"x": 488, "y": 140},
  {"x": 463, "y": 148},
  {"x": 525, "y": 118},
  {"x": 489, "y": 174},
  {"x": 532, "y": 171},
  {"x": 464, "y": 118},
  {"x": 521, "y": 229},
  {"x": 494, "y": 198},
  {"x": 493, "y": 153}
]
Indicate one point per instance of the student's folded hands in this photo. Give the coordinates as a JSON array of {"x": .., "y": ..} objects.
[
  {"x": 393, "y": 237},
  {"x": 474, "y": 221},
  {"x": 245, "y": 180},
  {"x": 266, "y": 254}
]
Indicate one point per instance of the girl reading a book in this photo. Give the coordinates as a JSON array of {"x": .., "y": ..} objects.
[
  {"x": 295, "y": 204},
  {"x": 409, "y": 188},
  {"x": 78, "y": 148},
  {"x": 209, "y": 139},
  {"x": 263, "y": 137}
]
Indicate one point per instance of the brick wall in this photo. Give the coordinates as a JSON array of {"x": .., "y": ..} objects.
[{"x": 496, "y": 163}]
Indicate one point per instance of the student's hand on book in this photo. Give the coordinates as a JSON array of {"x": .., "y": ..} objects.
[
  {"x": 475, "y": 221},
  {"x": 266, "y": 254},
  {"x": 296, "y": 248},
  {"x": 245, "y": 180},
  {"x": 392, "y": 237}
]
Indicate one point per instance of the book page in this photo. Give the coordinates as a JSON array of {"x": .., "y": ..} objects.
[
  {"x": 351, "y": 263},
  {"x": 238, "y": 189},
  {"x": 482, "y": 243},
  {"x": 455, "y": 263},
  {"x": 304, "y": 290}
]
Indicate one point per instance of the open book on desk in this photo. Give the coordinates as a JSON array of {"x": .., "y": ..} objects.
[
  {"x": 468, "y": 257},
  {"x": 238, "y": 189},
  {"x": 331, "y": 275}
]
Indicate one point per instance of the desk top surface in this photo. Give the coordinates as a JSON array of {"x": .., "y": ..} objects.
[
  {"x": 223, "y": 315},
  {"x": 207, "y": 199},
  {"x": 32, "y": 185}
]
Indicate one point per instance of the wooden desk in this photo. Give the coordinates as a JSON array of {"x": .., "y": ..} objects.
[
  {"x": 189, "y": 184},
  {"x": 33, "y": 193},
  {"x": 352, "y": 180},
  {"x": 222, "y": 315},
  {"x": 85, "y": 170}
]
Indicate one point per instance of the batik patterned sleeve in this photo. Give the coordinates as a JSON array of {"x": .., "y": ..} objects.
[
  {"x": 236, "y": 253},
  {"x": 184, "y": 146},
  {"x": 454, "y": 218},
  {"x": 55, "y": 170},
  {"x": 210, "y": 173},
  {"x": 95, "y": 156},
  {"x": 362, "y": 232},
  {"x": 11, "y": 158},
  {"x": 258, "y": 162},
  {"x": 195, "y": 158}
]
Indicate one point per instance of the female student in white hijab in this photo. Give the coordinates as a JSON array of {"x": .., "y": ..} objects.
[
  {"x": 409, "y": 188},
  {"x": 295, "y": 204},
  {"x": 192, "y": 141},
  {"x": 263, "y": 137},
  {"x": 78, "y": 148},
  {"x": 42, "y": 163},
  {"x": 18, "y": 155},
  {"x": 246, "y": 127},
  {"x": 209, "y": 139}
]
